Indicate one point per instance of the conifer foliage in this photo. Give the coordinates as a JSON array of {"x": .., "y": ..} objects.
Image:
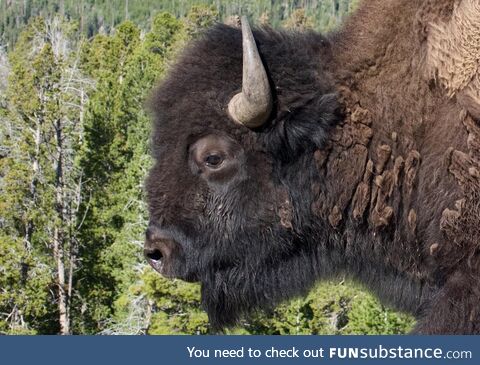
[{"x": 41, "y": 181}]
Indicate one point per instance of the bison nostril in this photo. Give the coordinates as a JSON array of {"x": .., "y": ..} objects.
[{"x": 154, "y": 255}]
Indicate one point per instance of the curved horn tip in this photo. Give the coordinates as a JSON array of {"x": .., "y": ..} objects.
[{"x": 253, "y": 105}]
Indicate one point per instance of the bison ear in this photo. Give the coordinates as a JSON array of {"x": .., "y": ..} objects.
[{"x": 302, "y": 128}]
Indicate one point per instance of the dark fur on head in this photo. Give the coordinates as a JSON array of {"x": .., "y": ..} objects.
[
  {"x": 210, "y": 70},
  {"x": 251, "y": 252}
]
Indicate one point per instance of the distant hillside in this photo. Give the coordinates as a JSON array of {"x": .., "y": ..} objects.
[{"x": 94, "y": 16}]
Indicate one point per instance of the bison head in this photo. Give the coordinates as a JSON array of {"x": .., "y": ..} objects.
[{"x": 236, "y": 123}]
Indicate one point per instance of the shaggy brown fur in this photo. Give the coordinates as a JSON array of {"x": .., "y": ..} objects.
[
  {"x": 404, "y": 81},
  {"x": 387, "y": 194}
]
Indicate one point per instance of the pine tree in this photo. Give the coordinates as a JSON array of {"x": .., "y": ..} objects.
[
  {"x": 41, "y": 179},
  {"x": 104, "y": 157},
  {"x": 95, "y": 16},
  {"x": 298, "y": 20},
  {"x": 116, "y": 161},
  {"x": 142, "y": 69}
]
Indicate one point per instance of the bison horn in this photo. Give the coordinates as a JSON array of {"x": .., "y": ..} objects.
[{"x": 253, "y": 105}]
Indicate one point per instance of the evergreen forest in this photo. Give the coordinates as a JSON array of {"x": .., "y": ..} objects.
[{"x": 74, "y": 151}]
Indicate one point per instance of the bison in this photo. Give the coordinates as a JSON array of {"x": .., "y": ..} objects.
[{"x": 284, "y": 158}]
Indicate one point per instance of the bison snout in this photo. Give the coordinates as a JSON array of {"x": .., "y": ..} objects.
[{"x": 158, "y": 249}]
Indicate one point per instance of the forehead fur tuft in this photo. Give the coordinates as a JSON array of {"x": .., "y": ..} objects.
[{"x": 195, "y": 94}]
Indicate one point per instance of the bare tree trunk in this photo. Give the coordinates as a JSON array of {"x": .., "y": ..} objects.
[
  {"x": 112, "y": 19},
  {"x": 62, "y": 8},
  {"x": 59, "y": 235},
  {"x": 81, "y": 17},
  {"x": 55, "y": 181},
  {"x": 63, "y": 302},
  {"x": 29, "y": 227}
]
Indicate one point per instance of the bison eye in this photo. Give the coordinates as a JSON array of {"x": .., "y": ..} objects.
[{"x": 213, "y": 160}]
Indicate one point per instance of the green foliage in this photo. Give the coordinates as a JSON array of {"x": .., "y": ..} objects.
[
  {"x": 200, "y": 18},
  {"x": 116, "y": 161},
  {"x": 177, "y": 306},
  {"x": 299, "y": 20},
  {"x": 166, "y": 31},
  {"x": 370, "y": 317},
  {"x": 39, "y": 110},
  {"x": 102, "y": 16},
  {"x": 23, "y": 298},
  {"x": 332, "y": 308}
]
